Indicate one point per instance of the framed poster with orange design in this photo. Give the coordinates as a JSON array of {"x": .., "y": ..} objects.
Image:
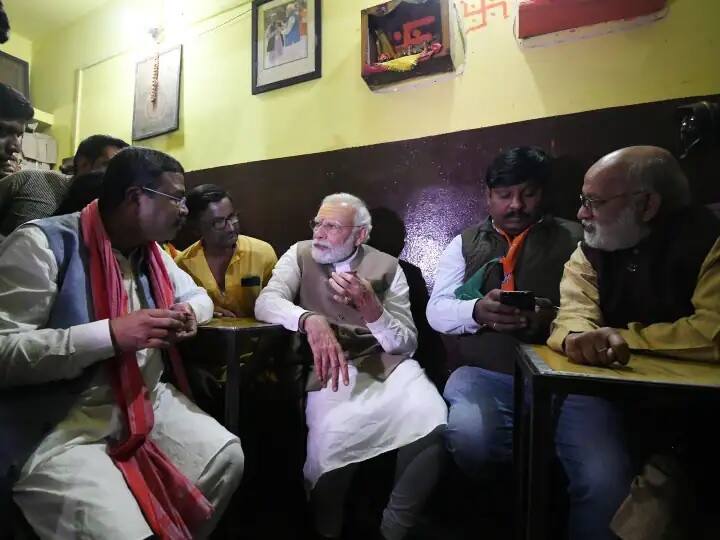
[{"x": 286, "y": 43}]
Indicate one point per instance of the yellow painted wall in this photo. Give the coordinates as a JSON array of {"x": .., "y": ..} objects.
[
  {"x": 85, "y": 76},
  {"x": 19, "y": 47}
]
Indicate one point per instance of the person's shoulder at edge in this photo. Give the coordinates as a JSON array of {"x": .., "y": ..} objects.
[{"x": 24, "y": 174}]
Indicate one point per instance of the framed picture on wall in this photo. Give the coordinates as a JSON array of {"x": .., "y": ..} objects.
[
  {"x": 285, "y": 43},
  {"x": 16, "y": 73},
  {"x": 157, "y": 94}
]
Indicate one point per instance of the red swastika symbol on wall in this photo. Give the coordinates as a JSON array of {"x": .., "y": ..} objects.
[{"x": 476, "y": 11}]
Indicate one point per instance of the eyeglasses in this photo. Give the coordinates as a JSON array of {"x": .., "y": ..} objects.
[
  {"x": 329, "y": 227},
  {"x": 177, "y": 201},
  {"x": 219, "y": 224},
  {"x": 593, "y": 204}
]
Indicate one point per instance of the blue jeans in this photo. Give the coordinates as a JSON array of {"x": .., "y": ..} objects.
[{"x": 589, "y": 443}]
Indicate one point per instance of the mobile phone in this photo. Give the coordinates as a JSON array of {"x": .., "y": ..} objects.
[{"x": 524, "y": 300}]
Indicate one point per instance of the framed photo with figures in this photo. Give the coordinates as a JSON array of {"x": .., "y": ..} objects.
[{"x": 286, "y": 43}]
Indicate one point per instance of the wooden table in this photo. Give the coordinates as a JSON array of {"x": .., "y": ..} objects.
[
  {"x": 542, "y": 373},
  {"x": 237, "y": 334}
]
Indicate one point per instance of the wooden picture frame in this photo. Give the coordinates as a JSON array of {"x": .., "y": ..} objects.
[
  {"x": 161, "y": 115},
  {"x": 286, "y": 43}
]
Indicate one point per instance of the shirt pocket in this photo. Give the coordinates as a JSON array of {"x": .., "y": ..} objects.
[{"x": 250, "y": 281}]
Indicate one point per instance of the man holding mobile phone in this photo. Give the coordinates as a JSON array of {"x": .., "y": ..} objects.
[{"x": 495, "y": 288}]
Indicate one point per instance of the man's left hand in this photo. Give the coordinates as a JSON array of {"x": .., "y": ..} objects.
[
  {"x": 189, "y": 323},
  {"x": 357, "y": 292},
  {"x": 599, "y": 347}
]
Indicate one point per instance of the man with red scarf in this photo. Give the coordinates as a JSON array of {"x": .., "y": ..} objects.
[
  {"x": 520, "y": 247},
  {"x": 95, "y": 443}
]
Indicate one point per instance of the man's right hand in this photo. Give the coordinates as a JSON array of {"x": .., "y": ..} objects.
[
  {"x": 146, "y": 329},
  {"x": 222, "y": 312},
  {"x": 599, "y": 347},
  {"x": 328, "y": 355},
  {"x": 491, "y": 312}
]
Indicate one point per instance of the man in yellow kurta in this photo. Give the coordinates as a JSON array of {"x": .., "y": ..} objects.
[
  {"x": 646, "y": 277},
  {"x": 231, "y": 267}
]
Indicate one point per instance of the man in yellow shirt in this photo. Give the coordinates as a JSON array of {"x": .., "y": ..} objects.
[
  {"x": 646, "y": 277},
  {"x": 232, "y": 268}
]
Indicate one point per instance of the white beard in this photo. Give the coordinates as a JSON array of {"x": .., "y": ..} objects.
[
  {"x": 626, "y": 232},
  {"x": 333, "y": 254}
]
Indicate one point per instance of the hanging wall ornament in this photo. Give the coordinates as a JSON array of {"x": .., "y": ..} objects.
[{"x": 157, "y": 94}]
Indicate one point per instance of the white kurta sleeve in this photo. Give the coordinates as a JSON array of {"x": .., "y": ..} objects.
[
  {"x": 275, "y": 303},
  {"x": 187, "y": 291},
  {"x": 30, "y": 354},
  {"x": 446, "y": 313},
  {"x": 395, "y": 329}
]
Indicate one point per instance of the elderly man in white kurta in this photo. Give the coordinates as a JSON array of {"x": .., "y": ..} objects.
[
  {"x": 60, "y": 415},
  {"x": 367, "y": 395}
]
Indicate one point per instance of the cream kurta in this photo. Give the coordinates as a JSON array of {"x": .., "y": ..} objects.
[
  {"x": 368, "y": 417},
  {"x": 30, "y": 354}
]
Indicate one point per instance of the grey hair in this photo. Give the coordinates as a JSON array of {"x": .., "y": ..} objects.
[
  {"x": 661, "y": 173},
  {"x": 362, "y": 214}
]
